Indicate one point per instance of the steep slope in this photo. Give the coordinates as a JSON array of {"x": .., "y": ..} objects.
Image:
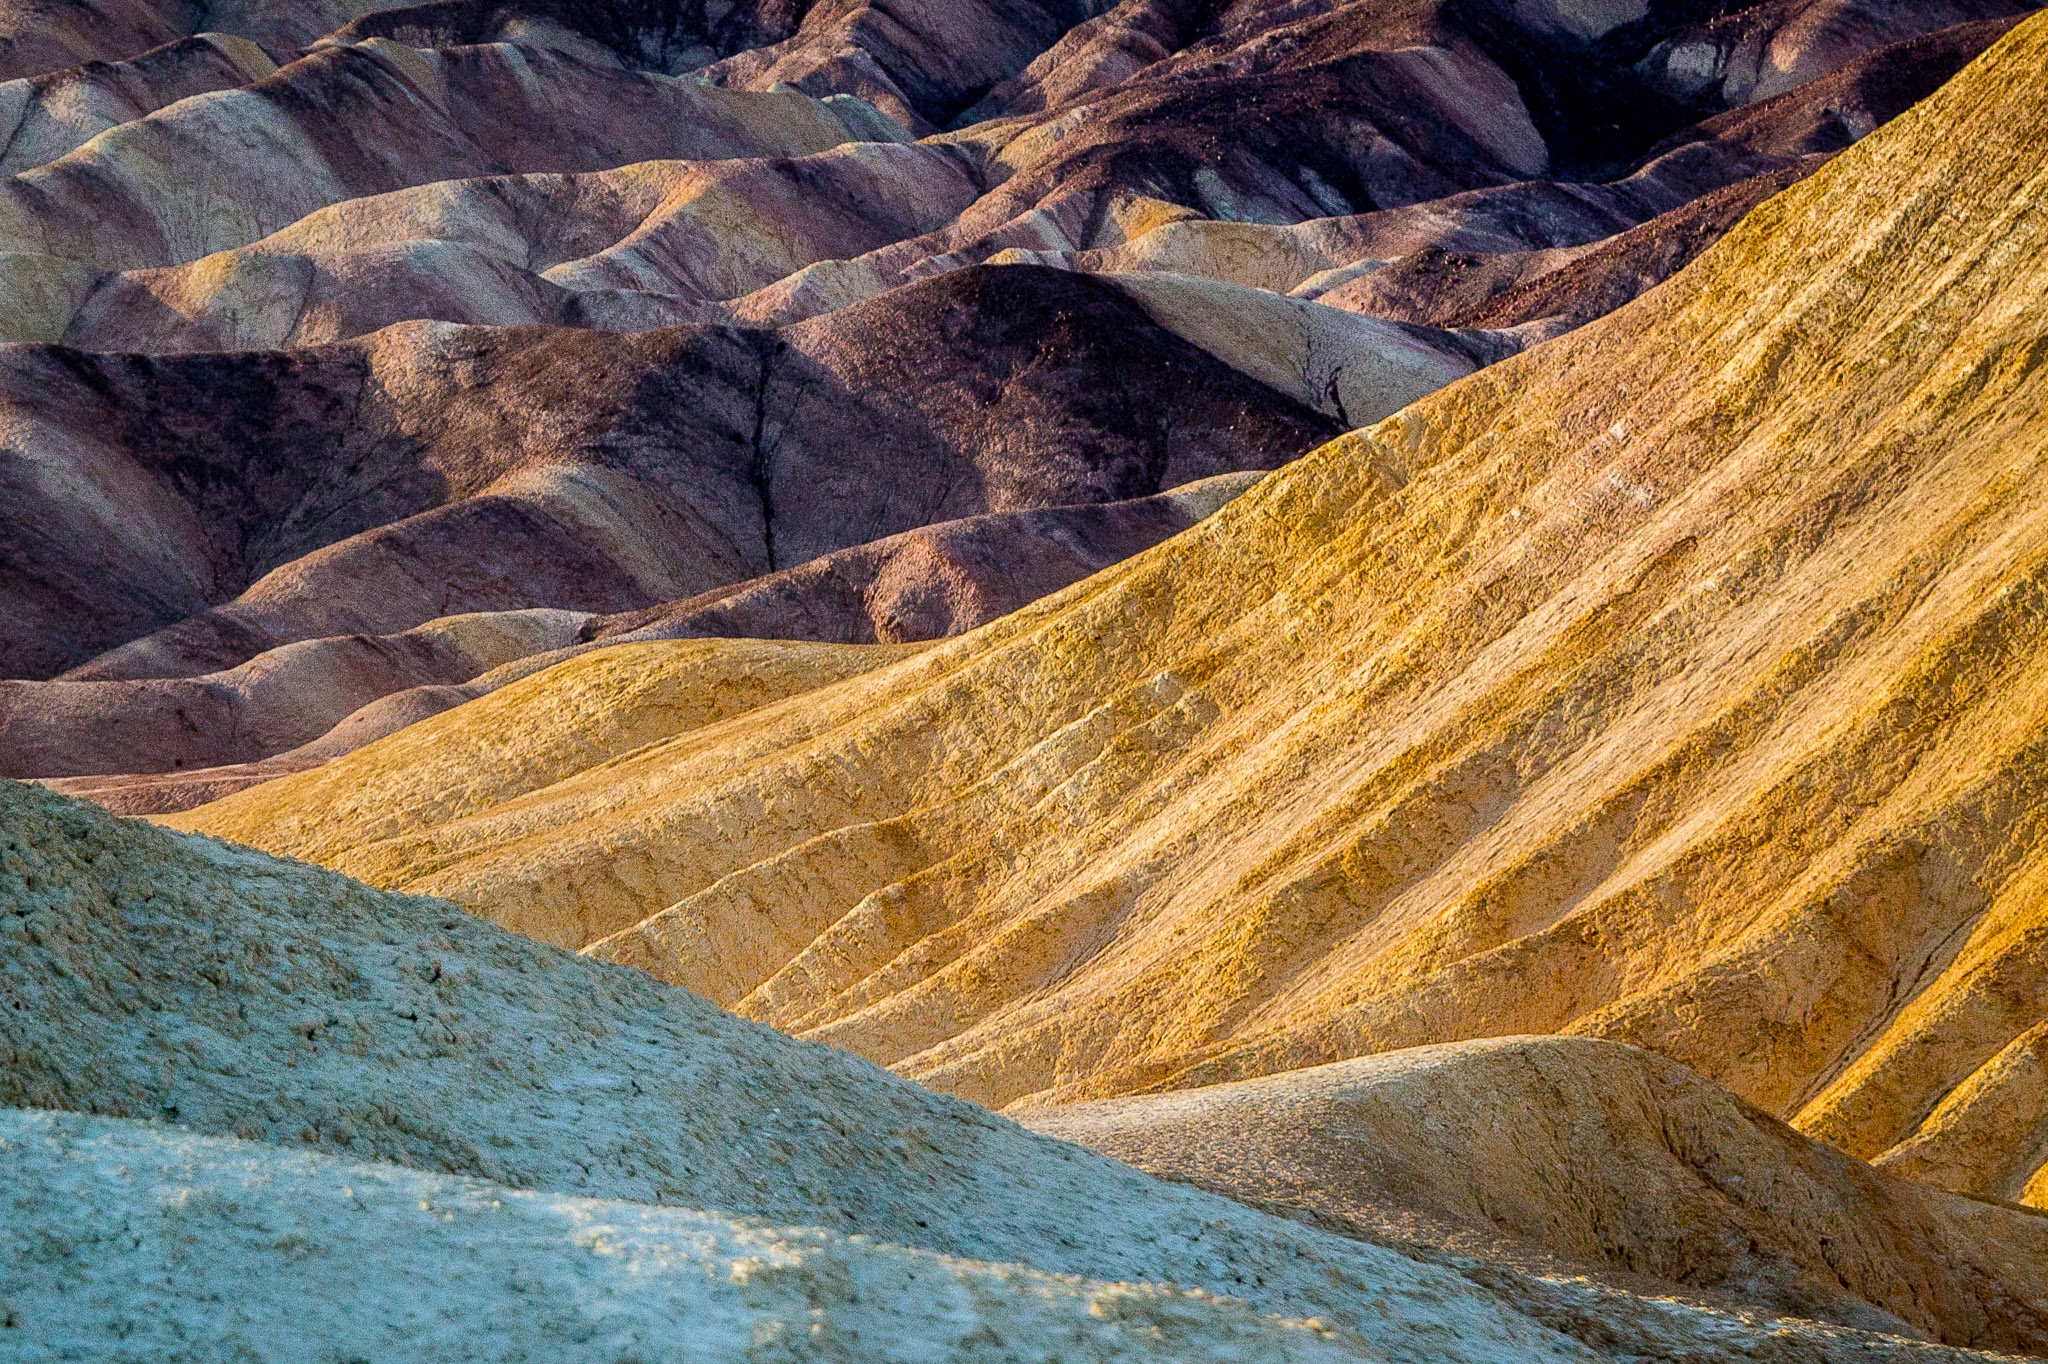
[
  {"x": 1680, "y": 683},
  {"x": 1600, "y": 1157},
  {"x": 307, "y": 183},
  {"x": 212, "y": 989}
]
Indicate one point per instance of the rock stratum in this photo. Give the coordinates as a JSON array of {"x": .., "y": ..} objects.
[
  {"x": 1422, "y": 621},
  {"x": 1674, "y": 683}
]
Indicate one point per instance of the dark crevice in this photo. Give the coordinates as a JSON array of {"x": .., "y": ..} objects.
[{"x": 769, "y": 353}]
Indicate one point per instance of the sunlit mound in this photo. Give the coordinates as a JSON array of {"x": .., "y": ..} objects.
[{"x": 1682, "y": 682}]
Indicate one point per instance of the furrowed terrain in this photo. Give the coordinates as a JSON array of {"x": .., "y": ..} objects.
[
  {"x": 355, "y": 339},
  {"x": 1677, "y": 683},
  {"x": 1352, "y": 679}
]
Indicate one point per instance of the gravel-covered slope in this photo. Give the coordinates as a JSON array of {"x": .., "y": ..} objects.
[{"x": 149, "y": 975}]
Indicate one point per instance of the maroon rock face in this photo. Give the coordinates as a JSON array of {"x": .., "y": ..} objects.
[
  {"x": 428, "y": 470},
  {"x": 299, "y": 705}
]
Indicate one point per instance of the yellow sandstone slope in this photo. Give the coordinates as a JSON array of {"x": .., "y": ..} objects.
[{"x": 1682, "y": 682}]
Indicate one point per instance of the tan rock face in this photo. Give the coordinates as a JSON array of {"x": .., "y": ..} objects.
[{"x": 1678, "y": 683}]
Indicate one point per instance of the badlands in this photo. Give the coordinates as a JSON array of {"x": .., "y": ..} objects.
[{"x": 1183, "y": 679}]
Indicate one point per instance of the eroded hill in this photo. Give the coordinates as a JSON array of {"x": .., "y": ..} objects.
[
  {"x": 342, "y": 323},
  {"x": 1677, "y": 683}
]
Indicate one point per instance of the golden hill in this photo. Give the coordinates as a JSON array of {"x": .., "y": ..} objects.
[{"x": 1681, "y": 682}]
